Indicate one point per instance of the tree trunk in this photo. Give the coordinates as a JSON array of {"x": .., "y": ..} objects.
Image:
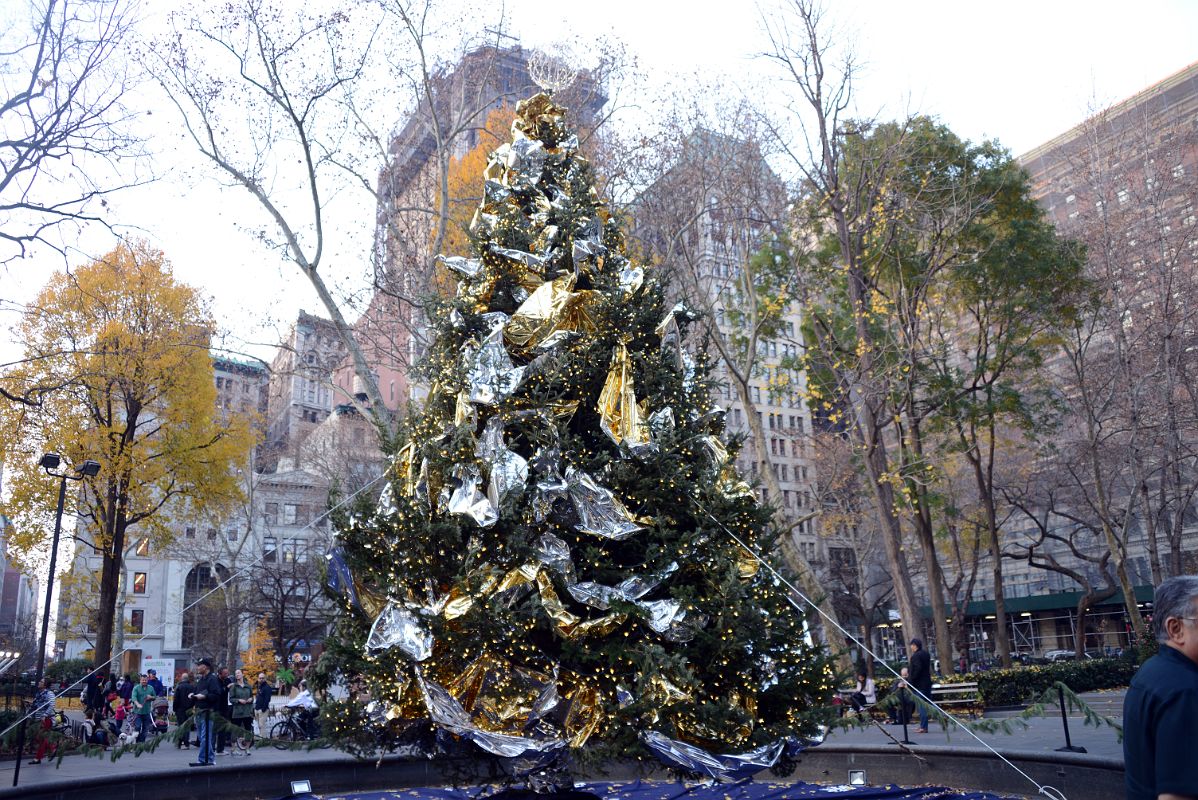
[
  {"x": 808, "y": 580},
  {"x": 1154, "y": 554},
  {"x": 1114, "y": 544},
  {"x": 927, "y": 541},
  {"x": 110, "y": 574}
]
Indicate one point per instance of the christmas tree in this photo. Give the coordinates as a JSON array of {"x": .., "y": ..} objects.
[{"x": 554, "y": 565}]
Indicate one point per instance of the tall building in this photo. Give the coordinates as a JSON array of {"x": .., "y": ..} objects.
[
  {"x": 18, "y": 600},
  {"x": 301, "y": 394},
  {"x": 445, "y": 125},
  {"x": 1124, "y": 182},
  {"x": 708, "y": 213}
]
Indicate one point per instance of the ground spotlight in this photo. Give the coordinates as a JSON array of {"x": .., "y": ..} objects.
[{"x": 857, "y": 777}]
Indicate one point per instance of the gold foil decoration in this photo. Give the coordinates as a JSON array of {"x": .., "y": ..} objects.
[
  {"x": 747, "y": 565},
  {"x": 372, "y": 603},
  {"x": 730, "y": 482},
  {"x": 600, "y": 626},
  {"x": 464, "y": 412},
  {"x": 520, "y": 576},
  {"x": 582, "y": 312},
  {"x": 619, "y": 414},
  {"x": 664, "y": 692},
  {"x": 401, "y": 466},
  {"x": 537, "y": 110},
  {"x": 553, "y": 605},
  {"x": 541, "y": 314},
  {"x": 584, "y": 715}
]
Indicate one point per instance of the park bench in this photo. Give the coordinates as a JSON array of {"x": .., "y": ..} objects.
[{"x": 947, "y": 695}]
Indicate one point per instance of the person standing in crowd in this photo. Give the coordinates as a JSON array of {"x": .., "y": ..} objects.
[
  {"x": 182, "y": 706},
  {"x": 224, "y": 735},
  {"x": 241, "y": 701},
  {"x": 93, "y": 695},
  {"x": 126, "y": 688},
  {"x": 156, "y": 683},
  {"x": 143, "y": 707},
  {"x": 262, "y": 705},
  {"x": 1160, "y": 709},
  {"x": 920, "y": 666},
  {"x": 43, "y": 719},
  {"x": 207, "y": 695}
]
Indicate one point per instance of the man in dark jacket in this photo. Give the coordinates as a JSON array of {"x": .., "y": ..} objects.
[
  {"x": 182, "y": 706},
  {"x": 262, "y": 694},
  {"x": 920, "y": 670},
  {"x": 207, "y": 696},
  {"x": 155, "y": 682},
  {"x": 1160, "y": 710},
  {"x": 224, "y": 736}
]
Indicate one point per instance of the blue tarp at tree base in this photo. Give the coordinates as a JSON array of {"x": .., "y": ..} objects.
[{"x": 662, "y": 790}]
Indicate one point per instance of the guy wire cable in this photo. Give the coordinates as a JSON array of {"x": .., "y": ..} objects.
[
  {"x": 1048, "y": 791},
  {"x": 204, "y": 596}
]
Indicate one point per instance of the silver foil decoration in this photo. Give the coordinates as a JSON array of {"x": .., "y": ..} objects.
[
  {"x": 523, "y": 156},
  {"x": 527, "y": 259},
  {"x": 446, "y": 712},
  {"x": 631, "y": 278},
  {"x": 668, "y": 618},
  {"x": 492, "y": 376},
  {"x": 555, "y": 554},
  {"x": 399, "y": 627},
  {"x": 470, "y": 267},
  {"x": 661, "y": 422},
  {"x": 508, "y": 469},
  {"x": 630, "y": 589},
  {"x": 468, "y": 500},
  {"x": 697, "y": 761},
  {"x": 599, "y": 512}
]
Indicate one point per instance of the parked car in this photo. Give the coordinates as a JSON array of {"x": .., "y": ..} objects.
[
  {"x": 1028, "y": 659},
  {"x": 1064, "y": 655}
]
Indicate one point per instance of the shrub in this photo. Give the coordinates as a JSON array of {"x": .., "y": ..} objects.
[
  {"x": 1010, "y": 687},
  {"x": 68, "y": 670}
]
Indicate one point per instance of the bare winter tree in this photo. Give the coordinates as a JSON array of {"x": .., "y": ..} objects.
[
  {"x": 64, "y": 125},
  {"x": 290, "y": 73},
  {"x": 801, "y": 45}
]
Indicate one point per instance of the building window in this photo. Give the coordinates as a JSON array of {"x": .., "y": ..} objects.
[
  {"x": 139, "y": 583},
  {"x": 143, "y": 547},
  {"x": 1123, "y": 196},
  {"x": 1179, "y": 171},
  {"x": 290, "y": 512},
  {"x": 137, "y": 621},
  {"x": 211, "y": 533},
  {"x": 290, "y": 551},
  {"x": 189, "y": 532},
  {"x": 231, "y": 534},
  {"x": 270, "y": 547},
  {"x": 272, "y": 514}
]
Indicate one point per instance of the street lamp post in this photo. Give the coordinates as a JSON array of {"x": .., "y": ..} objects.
[{"x": 88, "y": 469}]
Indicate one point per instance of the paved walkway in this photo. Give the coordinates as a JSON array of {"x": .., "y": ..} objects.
[{"x": 1044, "y": 735}]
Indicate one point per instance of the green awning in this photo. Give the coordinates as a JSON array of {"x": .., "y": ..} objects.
[{"x": 1045, "y": 602}]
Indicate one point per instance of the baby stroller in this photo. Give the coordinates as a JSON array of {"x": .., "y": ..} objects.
[{"x": 161, "y": 710}]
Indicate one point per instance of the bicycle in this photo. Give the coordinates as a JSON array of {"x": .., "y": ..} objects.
[{"x": 297, "y": 725}]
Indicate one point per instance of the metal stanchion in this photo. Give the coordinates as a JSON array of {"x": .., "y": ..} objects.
[
  {"x": 903, "y": 713},
  {"x": 1069, "y": 747}
]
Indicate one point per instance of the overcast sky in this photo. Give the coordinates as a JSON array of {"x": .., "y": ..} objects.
[{"x": 1022, "y": 72}]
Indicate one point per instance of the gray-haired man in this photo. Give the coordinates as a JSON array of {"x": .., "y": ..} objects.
[{"x": 1160, "y": 712}]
